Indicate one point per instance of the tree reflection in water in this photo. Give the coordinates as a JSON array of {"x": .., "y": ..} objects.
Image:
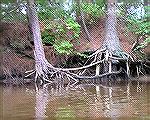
[
  {"x": 109, "y": 101},
  {"x": 42, "y": 97},
  {"x": 41, "y": 102}
]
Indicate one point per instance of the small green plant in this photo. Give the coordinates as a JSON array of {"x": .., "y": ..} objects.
[
  {"x": 74, "y": 27},
  {"x": 64, "y": 47},
  {"x": 48, "y": 37},
  {"x": 60, "y": 33},
  {"x": 92, "y": 9}
]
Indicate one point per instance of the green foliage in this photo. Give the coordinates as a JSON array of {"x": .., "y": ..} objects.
[
  {"x": 92, "y": 9},
  {"x": 51, "y": 13},
  {"x": 130, "y": 1},
  {"x": 143, "y": 44},
  {"x": 63, "y": 47},
  {"x": 101, "y": 3},
  {"x": 47, "y": 37},
  {"x": 52, "y": 10},
  {"x": 12, "y": 11},
  {"x": 60, "y": 33},
  {"x": 60, "y": 27},
  {"x": 141, "y": 27},
  {"x": 8, "y": 1},
  {"x": 73, "y": 26},
  {"x": 147, "y": 11}
]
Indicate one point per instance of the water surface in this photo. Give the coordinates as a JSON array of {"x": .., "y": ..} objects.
[{"x": 82, "y": 102}]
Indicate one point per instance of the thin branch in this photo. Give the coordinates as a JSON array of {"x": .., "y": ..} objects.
[{"x": 84, "y": 25}]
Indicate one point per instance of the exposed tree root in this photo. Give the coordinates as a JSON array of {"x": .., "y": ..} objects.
[
  {"x": 49, "y": 72},
  {"x": 46, "y": 72}
]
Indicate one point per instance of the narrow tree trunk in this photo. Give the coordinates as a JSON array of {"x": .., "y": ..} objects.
[
  {"x": 84, "y": 25},
  {"x": 40, "y": 60},
  {"x": 35, "y": 27},
  {"x": 146, "y": 2}
]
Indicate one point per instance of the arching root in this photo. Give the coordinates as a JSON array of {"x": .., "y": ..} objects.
[{"x": 46, "y": 72}]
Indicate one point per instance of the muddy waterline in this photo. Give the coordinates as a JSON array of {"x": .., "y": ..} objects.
[{"x": 129, "y": 101}]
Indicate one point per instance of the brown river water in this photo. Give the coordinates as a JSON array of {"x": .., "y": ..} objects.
[{"x": 130, "y": 101}]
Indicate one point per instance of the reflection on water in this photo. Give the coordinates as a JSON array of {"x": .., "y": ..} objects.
[
  {"x": 83, "y": 102},
  {"x": 41, "y": 102}
]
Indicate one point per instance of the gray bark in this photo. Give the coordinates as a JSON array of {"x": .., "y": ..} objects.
[
  {"x": 111, "y": 42},
  {"x": 111, "y": 39},
  {"x": 146, "y": 2},
  {"x": 35, "y": 27},
  {"x": 40, "y": 60}
]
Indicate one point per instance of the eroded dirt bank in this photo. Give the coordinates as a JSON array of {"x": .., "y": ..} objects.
[{"x": 17, "y": 49}]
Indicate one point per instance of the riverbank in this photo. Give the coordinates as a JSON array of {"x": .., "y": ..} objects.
[{"x": 16, "y": 48}]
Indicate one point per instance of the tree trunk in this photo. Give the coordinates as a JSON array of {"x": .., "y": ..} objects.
[
  {"x": 84, "y": 24},
  {"x": 111, "y": 42},
  {"x": 146, "y": 3},
  {"x": 40, "y": 60}
]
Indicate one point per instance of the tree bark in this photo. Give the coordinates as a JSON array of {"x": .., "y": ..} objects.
[
  {"x": 146, "y": 3},
  {"x": 40, "y": 60},
  {"x": 111, "y": 42}
]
